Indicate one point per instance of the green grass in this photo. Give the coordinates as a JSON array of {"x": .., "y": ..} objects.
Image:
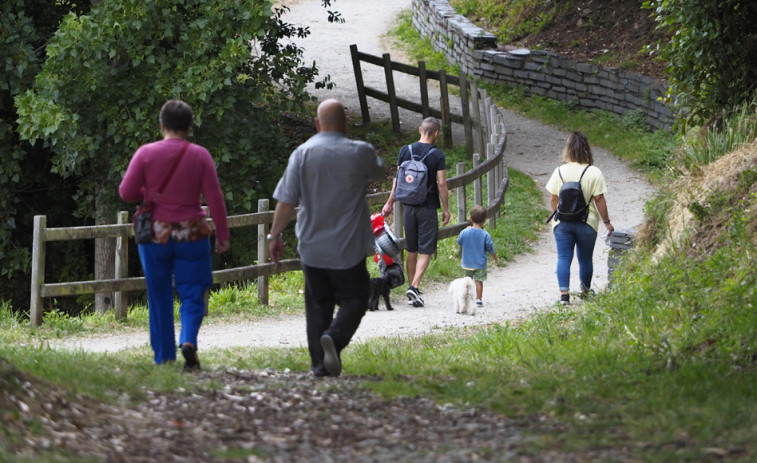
[
  {"x": 418, "y": 48},
  {"x": 628, "y": 137}
]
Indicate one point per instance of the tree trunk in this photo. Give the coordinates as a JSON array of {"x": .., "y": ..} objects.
[{"x": 105, "y": 259}]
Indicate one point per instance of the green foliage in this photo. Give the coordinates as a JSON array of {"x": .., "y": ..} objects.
[
  {"x": 700, "y": 147},
  {"x": 510, "y": 20},
  {"x": 107, "y": 74},
  {"x": 711, "y": 56},
  {"x": 26, "y": 185}
]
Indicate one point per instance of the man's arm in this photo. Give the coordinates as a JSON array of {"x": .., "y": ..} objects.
[
  {"x": 283, "y": 214},
  {"x": 389, "y": 206},
  {"x": 441, "y": 183}
]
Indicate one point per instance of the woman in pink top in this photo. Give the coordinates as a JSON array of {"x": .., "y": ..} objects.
[{"x": 179, "y": 253}]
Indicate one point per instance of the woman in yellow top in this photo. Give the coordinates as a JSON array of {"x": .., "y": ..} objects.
[{"x": 580, "y": 236}]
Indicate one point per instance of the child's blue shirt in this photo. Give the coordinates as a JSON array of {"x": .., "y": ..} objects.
[{"x": 476, "y": 243}]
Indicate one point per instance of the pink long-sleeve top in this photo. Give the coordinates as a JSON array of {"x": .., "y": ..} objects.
[{"x": 181, "y": 198}]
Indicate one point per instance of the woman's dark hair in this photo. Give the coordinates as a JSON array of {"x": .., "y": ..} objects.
[
  {"x": 577, "y": 149},
  {"x": 176, "y": 116}
]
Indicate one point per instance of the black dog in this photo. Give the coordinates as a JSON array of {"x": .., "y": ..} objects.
[{"x": 393, "y": 277}]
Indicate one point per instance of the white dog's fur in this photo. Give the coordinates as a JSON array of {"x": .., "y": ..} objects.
[{"x": 463, "y": 291}]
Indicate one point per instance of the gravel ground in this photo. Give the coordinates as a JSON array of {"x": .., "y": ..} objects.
[{"x": 289, "y": 416}]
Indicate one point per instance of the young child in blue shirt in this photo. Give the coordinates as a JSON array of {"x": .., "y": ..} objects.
[{"x": 476, "y": 243}]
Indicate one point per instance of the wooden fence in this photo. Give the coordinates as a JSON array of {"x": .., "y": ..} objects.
[
  {"x": 474, "y": 119},
  {"x": 491, "y": 164}
]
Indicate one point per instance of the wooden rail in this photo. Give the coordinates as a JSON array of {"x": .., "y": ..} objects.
[
  {"x": 468, "y": 96},
  {"x": 491, "y": 138}
]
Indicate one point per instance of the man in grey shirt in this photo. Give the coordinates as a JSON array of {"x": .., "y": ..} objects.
[{"x": 327, "y": 177}]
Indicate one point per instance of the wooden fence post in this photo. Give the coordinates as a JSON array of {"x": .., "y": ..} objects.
[
  {"x": 38, "y": 270},
  {"x": 485, "y": 103},
  {"x": 392, "y": 92},
  {"x": 397, "y": 226},
  {"x": 476, "y": 116},
  {"x": 466, "y": 114},
  {"x": 491, "y": 187},
  {"x": 462, "y": 213},
  {"x": 360, "y": 85},
  {"x": 262, "y": 253},
  {"x": 424, "y": 88},
  {"x": 477, "y": 187},
  {"x": 444, "y": 106},
  {"x": 121, "y": 298}
]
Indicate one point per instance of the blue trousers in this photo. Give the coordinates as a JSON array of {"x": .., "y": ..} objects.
[
  {"x": 582, "y": 238},
  {"x": 324, "y": 289},
  {"x": 187, "y": 265}
]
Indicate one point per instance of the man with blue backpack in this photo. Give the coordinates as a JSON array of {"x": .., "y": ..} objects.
[{"x": 421, "y": 187}]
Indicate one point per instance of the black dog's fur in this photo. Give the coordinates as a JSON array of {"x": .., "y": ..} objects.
[
  {"x": 379, "y": 287},
  {"x": 393, "y": 277}
]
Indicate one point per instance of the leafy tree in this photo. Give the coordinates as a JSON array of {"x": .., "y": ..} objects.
[
  {"x": 712, "y": 55},
  {"x": 27, "y": 186},
  {"x": 108, "y": 72}
]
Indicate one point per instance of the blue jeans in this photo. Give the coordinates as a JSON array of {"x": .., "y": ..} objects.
[
  {"x": 187, "y": 265},
  {"x": 582, "y": 238}
]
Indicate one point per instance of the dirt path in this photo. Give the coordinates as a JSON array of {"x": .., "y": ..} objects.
[{"x": 526, "y": 285}]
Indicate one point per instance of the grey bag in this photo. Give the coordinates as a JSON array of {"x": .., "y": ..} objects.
[{"x": 412, "y": 181}]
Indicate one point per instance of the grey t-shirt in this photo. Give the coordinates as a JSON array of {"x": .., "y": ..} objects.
[{"x": 327, "y": 177}]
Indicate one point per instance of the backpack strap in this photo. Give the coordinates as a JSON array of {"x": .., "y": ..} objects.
[
  {"x": 412, "y": 156},
  {"x": 582, "y": 173},
  {"x": 591, "y": 197},
  {"x": 579, "y": 178}
]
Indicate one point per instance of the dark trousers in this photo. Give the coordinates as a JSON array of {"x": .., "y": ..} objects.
[{"x": 325, "y": 288}]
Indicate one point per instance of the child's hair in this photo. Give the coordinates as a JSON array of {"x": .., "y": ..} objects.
[{"x": 478, "y": 214}]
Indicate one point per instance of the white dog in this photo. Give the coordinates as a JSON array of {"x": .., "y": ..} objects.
[{"x": 463, "y": 291}]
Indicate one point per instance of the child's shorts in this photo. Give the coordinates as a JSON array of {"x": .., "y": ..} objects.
[{"x": 478, "y": 274}]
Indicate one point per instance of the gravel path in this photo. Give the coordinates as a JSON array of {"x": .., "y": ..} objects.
[{"x": 526, "y": 285}]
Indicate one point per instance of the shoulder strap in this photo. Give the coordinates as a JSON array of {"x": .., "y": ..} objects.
[
  {"x": 579, "y": 178},
  {"x": 582, "y": 173},
  {"x": 173, "y": 169},
  {"x": 412, "y": 156}
]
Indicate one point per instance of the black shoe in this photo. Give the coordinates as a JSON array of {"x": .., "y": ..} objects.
[
  {"x": 414, "y": 296},
  {"x": 331, "y": 361},
  {"x": 565, "y": 299},
  {"x": 189, "y": 352}
]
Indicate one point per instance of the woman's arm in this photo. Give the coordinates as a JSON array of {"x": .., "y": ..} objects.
[{"x": 599, "y": 200}]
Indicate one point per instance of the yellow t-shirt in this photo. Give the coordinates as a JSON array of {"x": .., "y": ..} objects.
[{"x": 592, "y": 184}]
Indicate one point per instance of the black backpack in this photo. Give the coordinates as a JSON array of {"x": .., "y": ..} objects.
[
  {"x": 571, "y": 205},
  {"x": 412, "y": 183}
]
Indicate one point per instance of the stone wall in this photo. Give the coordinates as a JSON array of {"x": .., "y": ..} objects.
[{"x": 587, "y": 85}]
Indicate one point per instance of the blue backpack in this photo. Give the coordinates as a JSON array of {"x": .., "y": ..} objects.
[{"x": 412, "y": 181}]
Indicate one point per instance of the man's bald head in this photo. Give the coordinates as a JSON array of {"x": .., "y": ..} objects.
[{"x": 331, "y": 117}]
